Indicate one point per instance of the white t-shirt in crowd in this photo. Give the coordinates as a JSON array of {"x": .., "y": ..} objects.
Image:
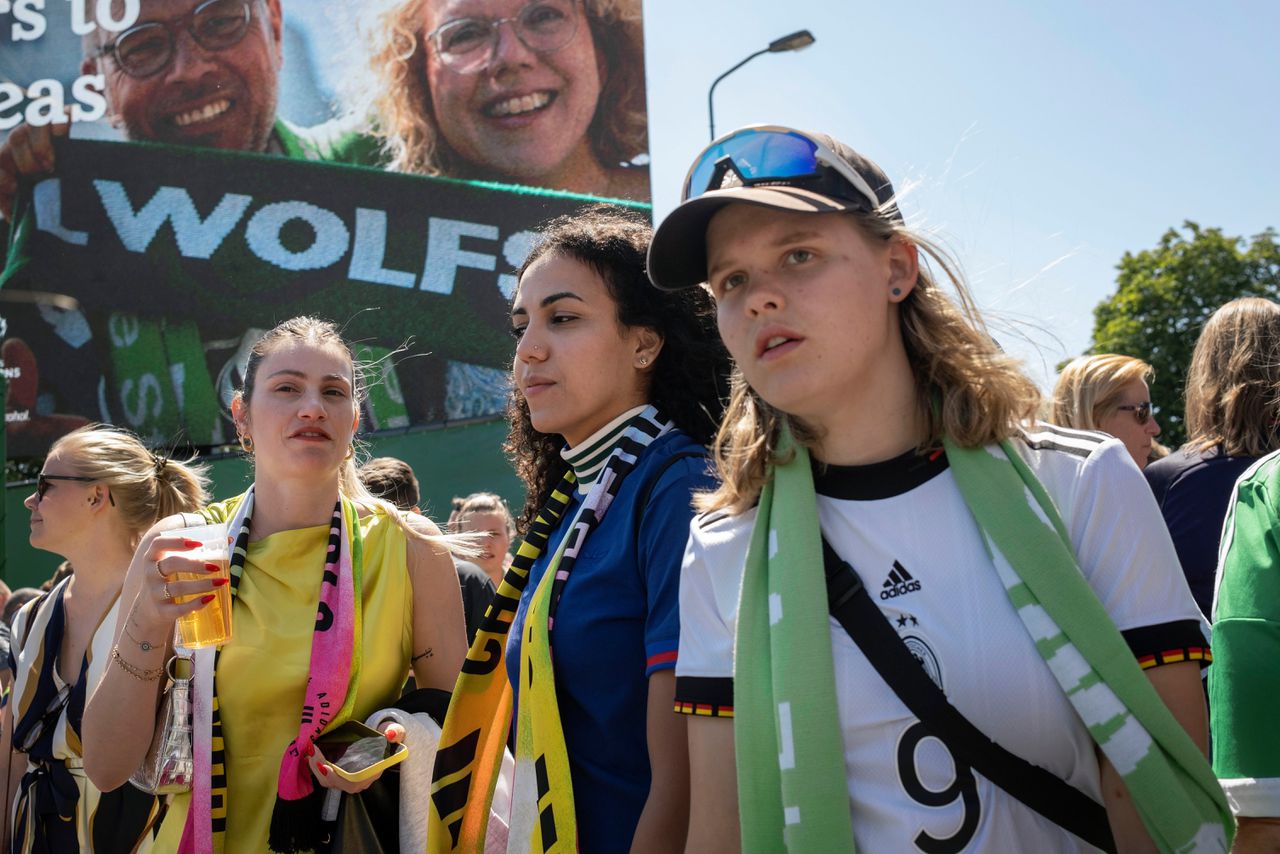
[{"x": 905, "y": 529}]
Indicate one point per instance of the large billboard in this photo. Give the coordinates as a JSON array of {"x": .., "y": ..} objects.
[{"x": 180, "y": 175}]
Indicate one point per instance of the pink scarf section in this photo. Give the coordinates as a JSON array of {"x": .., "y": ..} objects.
[{"x": 332, "y": 654}]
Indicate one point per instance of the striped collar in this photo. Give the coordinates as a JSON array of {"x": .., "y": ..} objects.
[{"x": 588, "y": 458}]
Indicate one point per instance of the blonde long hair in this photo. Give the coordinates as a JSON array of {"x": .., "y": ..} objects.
[
  {"x": 399, "y": 104},
  {"x": 146, "y": 486},
  {"x": 1089, "y": 388},
  {"x": 966, "y": 387},
  {"x": 1233, "y": 384}
]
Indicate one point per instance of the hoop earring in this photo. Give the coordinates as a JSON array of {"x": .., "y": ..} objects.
[{"x": 246, "y": 443}]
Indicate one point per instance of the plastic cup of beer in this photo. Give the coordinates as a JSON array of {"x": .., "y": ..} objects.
[{"x": 210, "y": 624}]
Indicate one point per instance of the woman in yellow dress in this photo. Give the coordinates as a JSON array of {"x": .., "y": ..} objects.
[
  {"x": 335, "y": 593},
  {"x": 99, "y": 491}
]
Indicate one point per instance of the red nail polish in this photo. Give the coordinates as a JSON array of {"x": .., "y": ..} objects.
[
  {"x": 212, "y": 567},
  {"x": 192, "y": 544},
  {"x": 311, "y": 750},
  {"x": 205, "y": 600},
  {"x": 324, "y": 771},
  {"x": 218, "y": 582}
]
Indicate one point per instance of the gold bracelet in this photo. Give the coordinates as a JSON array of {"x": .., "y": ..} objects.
[{"x": 136, "y": 672}]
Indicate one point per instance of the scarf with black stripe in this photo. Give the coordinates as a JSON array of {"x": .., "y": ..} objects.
[
  {"x": 471, "y": 746},
  {"x": 333, "y": 676}
]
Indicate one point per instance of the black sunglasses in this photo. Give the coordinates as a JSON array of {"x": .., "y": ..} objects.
[
  {"x": 1141, "y": 411},
  {"x": 42, "y": 484}
]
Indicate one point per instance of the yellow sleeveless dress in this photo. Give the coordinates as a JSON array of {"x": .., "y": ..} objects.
[{"x": 262, "y": 671}]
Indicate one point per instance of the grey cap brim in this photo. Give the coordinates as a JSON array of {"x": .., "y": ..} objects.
[{"x": 678, "y": 252}]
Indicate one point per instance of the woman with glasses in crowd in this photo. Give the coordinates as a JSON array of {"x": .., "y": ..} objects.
[
  {"x": 879, "y": 464},
  {"x": 334, "y": 595},
  {"x": 1109, "y": 393},
  {"x": 99, "y": 491},
  {"x": 548, "y": 93},
  {"x": 616, "y": 390}
]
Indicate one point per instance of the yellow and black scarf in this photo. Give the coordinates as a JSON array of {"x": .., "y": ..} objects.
[{"x": 471, "y": 746}]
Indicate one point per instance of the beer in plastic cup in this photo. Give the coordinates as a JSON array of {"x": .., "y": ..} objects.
[{"x": 210, "y": 624}]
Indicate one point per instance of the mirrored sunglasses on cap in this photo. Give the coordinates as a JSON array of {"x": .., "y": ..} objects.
[
  {"x": 770, "y": 166},
  {"x": 772, "y": 154}
]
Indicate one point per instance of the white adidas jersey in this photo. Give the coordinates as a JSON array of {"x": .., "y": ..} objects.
[{"x": 920, "y": 556}]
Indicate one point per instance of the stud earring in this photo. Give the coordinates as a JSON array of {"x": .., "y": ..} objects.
[
  {"x": 246, "y": 444},
  {"x": 644, "y": 361},
  {"x": 897, "y": 292}
]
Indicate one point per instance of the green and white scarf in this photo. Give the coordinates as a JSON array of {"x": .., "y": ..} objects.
[{"x": 793, "y": 790}]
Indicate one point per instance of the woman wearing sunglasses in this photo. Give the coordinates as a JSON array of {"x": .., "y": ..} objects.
[
  {"x": 1109, "y": 392},
  {"x": 989, "y": 578},
  {"x": 548, "y": 93},
  {"x": 99, "y": 491},
  {"x": 617, "y": 390}
]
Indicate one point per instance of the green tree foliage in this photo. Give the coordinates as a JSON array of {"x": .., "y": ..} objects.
[{"x": 1164, "y": 296}]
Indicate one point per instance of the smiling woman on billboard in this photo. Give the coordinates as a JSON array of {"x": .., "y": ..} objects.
[{"x": 548, "y": 93}]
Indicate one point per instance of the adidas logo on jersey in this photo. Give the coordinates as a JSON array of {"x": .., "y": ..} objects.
[{"x": 899, "y": 583}]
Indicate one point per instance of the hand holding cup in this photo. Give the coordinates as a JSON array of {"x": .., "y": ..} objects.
[{"x": 189, "y": 585}]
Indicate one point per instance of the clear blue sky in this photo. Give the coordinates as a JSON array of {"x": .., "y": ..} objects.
[{"x": 1040, "y": 140}]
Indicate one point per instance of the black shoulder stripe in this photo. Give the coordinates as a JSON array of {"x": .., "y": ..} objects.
[
  {"x": 1050, "y": 437},
  {"x": 1049, "y": 445},
  {"x": 706, "y": 520},
  {"x": 1095, "y": 437}
]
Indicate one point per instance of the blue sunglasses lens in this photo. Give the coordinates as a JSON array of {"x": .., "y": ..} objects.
[{"x": 755, "y": 155}]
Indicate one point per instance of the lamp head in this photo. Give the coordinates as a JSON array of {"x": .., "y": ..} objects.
[{"x": 795, "y": 41}]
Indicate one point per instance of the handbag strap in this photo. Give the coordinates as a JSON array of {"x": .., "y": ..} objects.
[{"x": 1041, "y": 790}]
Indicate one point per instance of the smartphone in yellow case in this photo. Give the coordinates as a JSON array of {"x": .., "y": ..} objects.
[{"x": 353, "y": 752}]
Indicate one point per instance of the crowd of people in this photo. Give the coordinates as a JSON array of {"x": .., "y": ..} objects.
[
  {"x": 787, "y": 502},
  {"x": 805, "y": 561}
]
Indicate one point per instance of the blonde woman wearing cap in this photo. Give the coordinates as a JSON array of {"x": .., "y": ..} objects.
[
  {"x": 879, "y": 464},
  {"x": 1109, "y": 392}
]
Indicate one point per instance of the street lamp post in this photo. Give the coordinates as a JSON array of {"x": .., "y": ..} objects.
[{"x": 794, "y": 41}]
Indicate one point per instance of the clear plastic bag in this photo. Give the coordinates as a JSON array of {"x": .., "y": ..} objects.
[{"x": 169, "y": 764}]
